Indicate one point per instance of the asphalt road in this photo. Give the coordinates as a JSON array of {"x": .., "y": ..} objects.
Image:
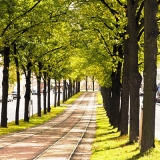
[
  {"x": 157, "y": 122},
  {"x": 33, "y": 108}
]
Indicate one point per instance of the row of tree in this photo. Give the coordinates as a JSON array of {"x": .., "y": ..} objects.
[
  {"x": 139, "y": 36},
  {"x": 34, "y": 41},
  {"x": 112, "y": 40}
]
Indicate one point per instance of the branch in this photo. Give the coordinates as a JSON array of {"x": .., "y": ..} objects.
[
  {"x": 139, "y": 11},
  {"x": 103, "y": 40},
  {"x": 11, "y": 22},
  {"x": 101, "y": 36},
  {"x": 85, "y": 44},
  {"x": 111, "y": 10},
  {"x": 104, "y": 23},
  {"x": 141, "y": 26},
  {"x": 29, "y": 9},
  {"x": 24, "y": 70},
  {"x": 121, "y": 4},
  {"x": 135, "y": 5},
  {"x": 52, "y": 50}
]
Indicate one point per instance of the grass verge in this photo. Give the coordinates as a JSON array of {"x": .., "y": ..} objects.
[
  {"x": 72, "y": 99},
  {"x": 99, "y": 100},
  {"x": 35, "y": 120},
  {"x": 109, "y": 145}
]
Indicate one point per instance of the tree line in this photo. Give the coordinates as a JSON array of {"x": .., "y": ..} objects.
[{"x": 114, "y": 41}]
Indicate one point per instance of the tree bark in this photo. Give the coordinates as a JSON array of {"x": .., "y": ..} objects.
[
  {"x": 86, "y": 83},
  {"x": 79, "y": 86},
  {"x": 5, "y": 87},
  {"x": 55, "y": 96},
  {"x": 134, "y": 77},
  {"x": 28, "y": 92},
  {"x": 150, "y": 71},
  {"x": 44, "y": 94},
  {"x": 74, "y": 88},
  {"x": 64, "y": 90},
  {"x": 49, "y": 89},
  {"x": 58, "y": 99},
  {"x": 18, "y": 86},
  {"x": 39, "y": 90},
  {"x": 69, "y": 89},
  {"x": 107, "y": 100},
  {"x": 125, "y": 92},
  {"x": 39, "y": 96},
  {"x": 115, "y": 99},
  {"x": 93, "y": 83}
]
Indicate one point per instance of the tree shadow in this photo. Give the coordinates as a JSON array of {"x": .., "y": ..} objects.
[{"x": 135, "y": 157}]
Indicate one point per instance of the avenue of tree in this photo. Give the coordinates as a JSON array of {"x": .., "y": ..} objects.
[{"x": 116, "y": 41}]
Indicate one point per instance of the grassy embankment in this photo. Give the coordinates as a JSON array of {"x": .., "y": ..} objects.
[
  {"x": 108, "y": 144},
  {"x": 35, "y": 120}
]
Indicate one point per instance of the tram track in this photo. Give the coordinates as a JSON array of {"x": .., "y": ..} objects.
[
  {"x": 45, "y": 138},
  {"x": 11, "y": 139}
]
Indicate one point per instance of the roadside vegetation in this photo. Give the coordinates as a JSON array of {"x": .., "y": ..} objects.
[
  {"x": 99, "y": 99},
  {"x": 35, "y": 120},
  {"x": 110, "y": 145},
  {"x": 73, "y": 98}
]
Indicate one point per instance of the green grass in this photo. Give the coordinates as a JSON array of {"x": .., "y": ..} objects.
[
  {"x": 109, "y": 145},
  {"x": 71, "y": 100},
  {"x": 99, "y": 100},
  {"x": 35, "y": 120}
]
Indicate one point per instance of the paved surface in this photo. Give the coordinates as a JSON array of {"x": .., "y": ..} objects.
[{"x": 68, "y": 136}]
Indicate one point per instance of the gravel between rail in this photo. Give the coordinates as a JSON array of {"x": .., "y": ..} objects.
[{"x": 68, "y": 136}]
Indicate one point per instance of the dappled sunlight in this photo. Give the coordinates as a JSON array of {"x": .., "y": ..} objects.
[{"x": 110, "y": 145}]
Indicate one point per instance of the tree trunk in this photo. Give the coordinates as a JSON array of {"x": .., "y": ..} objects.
[
  {"x": 150, "y": 71},
  {"x": 44, "y": 94},
  {"x": 104, "y": 97},
  {"x": 125, "y": 92},
  {"x": 28, "y": 92},
  {"x": 59, "y": 86},
  {"x": 78, "y": 86},
  {"x": 74, "y": 88},
  {"x": 39, "y": 89},
  {"x": 5, "y": 87},
  {"x": 134, "y": 77},
  {"x": 107, "y": 100},
  {"x": 39, "y": 96},
  {"x": 86, "y": 83},
  {"x": 64, "y": 90},
  {"x": 93, "y": 84},
  {"x": 18, "y": 86},
  {"x": 55, "y": 96},
  {"x": 69, "y": 89},
  {"x": 115, "y": 98},
  {"x": 49, "y": 89}
]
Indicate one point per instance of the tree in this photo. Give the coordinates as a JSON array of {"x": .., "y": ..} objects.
[
  {"x": 5, "y": 86},
  {"x": 11, "y": 13},
  {"x": 134, "y": 77},
  {"x": 150, "y": 88}
]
